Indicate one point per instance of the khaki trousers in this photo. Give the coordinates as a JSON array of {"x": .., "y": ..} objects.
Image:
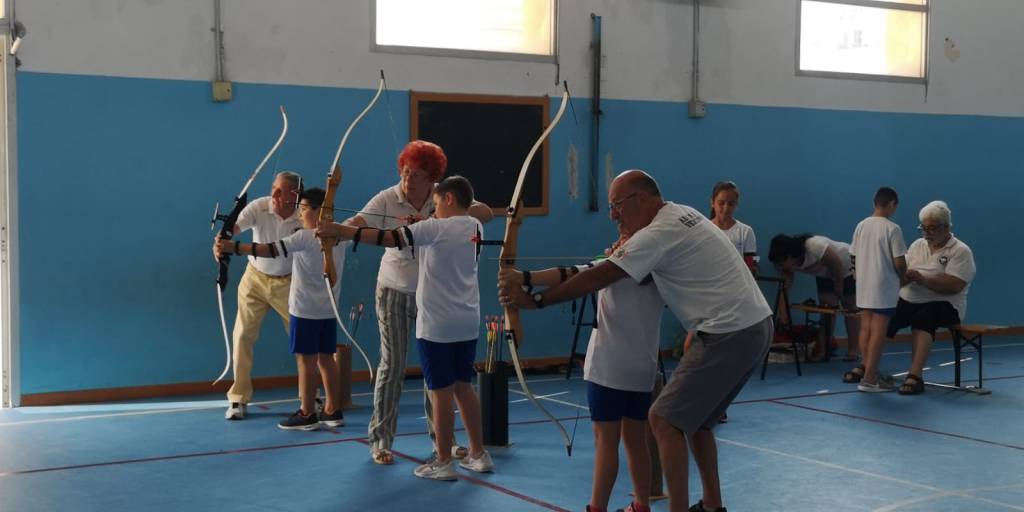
[{"x": 257, "y": 294}]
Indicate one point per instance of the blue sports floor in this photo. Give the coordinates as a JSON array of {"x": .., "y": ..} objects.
[{"x": 806, "y": 443}]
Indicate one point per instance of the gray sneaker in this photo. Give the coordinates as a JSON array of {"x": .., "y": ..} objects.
[
  {"x": 437, "y": 471},
  {"x": 236, "y": 411},
  {"x": 481, "y": 464},
  {"x": 882, "y": 386}
]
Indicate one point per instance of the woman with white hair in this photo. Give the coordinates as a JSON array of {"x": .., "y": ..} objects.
[{"x": 940, "y": 269}]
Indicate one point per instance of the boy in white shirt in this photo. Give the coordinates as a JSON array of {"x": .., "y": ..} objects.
[
  {"x": 312, "y": 334},
  {"x": 878, "y": 253},
  {"x": 448, "y": 300}
]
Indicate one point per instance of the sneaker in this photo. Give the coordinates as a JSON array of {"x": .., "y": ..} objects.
[
  {"x": 481, "y": 464},
  {"x": 882, "y": 386},
  {"x": 299, "y": 421},
  {"x": 634, "y": 507},
  {"x": 724, "y": 418},
  {"x": 437, "y": 471},
  {"x": 319, "y": 405},
  {"x": 335, "y": 419},
  {"x": 236, "y": 411},
  {"x": 699, "y": 507},
  {"x": 458, "y": 453}
]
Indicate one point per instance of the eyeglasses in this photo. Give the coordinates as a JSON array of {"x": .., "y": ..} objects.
[
  {"x": 930, "y": 229},
  {"x": 617, "y": 205}
]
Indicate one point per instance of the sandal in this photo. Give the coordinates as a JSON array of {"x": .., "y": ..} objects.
[
  {"x": 383, "y": 457},
  {"x": 855, "y": 375},
  {"x": 912, "y": 388}
]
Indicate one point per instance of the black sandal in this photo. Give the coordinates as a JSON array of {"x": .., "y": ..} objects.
[
  {"x": 855, "y": 375},
  {"x": 912, "y": 388}
]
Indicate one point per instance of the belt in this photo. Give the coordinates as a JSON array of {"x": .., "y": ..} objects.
[{"x": 268, "y": 276}]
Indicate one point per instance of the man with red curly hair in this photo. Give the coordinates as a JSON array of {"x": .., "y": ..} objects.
[{"x": 420, "y": 166}]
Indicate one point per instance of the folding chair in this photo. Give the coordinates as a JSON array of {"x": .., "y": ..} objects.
[{"x": 788, "y": 336}]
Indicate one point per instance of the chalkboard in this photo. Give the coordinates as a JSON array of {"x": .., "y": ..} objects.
[{"x": 486, "y": 139}]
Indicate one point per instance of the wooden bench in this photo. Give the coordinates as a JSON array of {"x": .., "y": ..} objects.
[{"x": 973, "y": 335}]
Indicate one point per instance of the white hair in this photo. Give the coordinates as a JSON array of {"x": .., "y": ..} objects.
[{"x": 937, "y": 211}]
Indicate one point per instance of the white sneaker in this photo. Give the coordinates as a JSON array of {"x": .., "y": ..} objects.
[
  {"x": 482, "y": 464},
  {"x": 437, "y": 471},
  {"x": 236, "y": 411},
  {"x": 882, "y": 386}
]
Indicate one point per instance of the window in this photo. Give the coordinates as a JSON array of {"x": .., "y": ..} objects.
[
  {"x": 873, "y": 39},
  {"x": 513, "y": 29}
]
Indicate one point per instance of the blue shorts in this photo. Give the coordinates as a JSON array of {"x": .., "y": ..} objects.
[
  {"x": 445, "y": 363},
  {"x": 610, "y": 404},
  {"x": 306, "y": 336},
  {"x": 889, "y": 312}
]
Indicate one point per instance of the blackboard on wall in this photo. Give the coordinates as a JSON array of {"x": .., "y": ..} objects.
[{"x": 486, "y": 139}]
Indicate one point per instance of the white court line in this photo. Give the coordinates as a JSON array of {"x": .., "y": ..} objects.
[
  {"x": 921, "y": 499},
  {"x": 901, "y": 374},
  {"x": 570, "y": 404},
  {"x": 214, "y": 404},
  {"x": 936, "y": 490},
  {"x": 987, "y": 346},
  {"x": 948, "y": 363},
  {"x": 540, "y": 396}
]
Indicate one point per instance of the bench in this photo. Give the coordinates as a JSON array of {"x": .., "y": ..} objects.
[{"x": 973, "y": 335}]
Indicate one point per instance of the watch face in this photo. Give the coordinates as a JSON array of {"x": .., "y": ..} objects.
[{"x": 537, "y": 297}]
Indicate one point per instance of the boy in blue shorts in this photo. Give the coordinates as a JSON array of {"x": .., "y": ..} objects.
[
  {"x": 878, "y": 254},
  {"x": 312, "y": 334},
  {"x": 448, "y": 301}
]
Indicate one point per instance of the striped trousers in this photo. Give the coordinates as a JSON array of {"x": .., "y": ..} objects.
[{"x": 396, "y": 318}]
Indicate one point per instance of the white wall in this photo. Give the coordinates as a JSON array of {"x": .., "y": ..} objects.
[{"x": 748, "y": 51}]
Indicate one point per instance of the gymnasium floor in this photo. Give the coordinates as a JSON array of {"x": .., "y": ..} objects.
[{"x": 792, "y": 444}]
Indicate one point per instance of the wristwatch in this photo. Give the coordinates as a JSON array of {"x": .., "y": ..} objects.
[{"x": 538, "y": 300}]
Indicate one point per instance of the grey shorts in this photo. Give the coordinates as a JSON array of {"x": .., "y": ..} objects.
[{"x": 710, "y": 375}]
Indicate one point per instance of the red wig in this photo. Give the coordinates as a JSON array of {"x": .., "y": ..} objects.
[{"x": 424, "y": 156}]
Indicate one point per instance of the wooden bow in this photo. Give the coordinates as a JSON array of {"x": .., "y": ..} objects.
[
  {"x": 513, "y": 324},
  {"x": 327, "y": 215}
]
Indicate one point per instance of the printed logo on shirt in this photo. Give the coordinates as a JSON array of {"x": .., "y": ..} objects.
[
  {"x": 690, "y": 220},
  {"x": 943, "y": 260},
  {"x": 620, "y": 253}
]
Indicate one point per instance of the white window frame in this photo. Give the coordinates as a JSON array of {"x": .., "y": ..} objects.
[
  {"x": 469, "y": 54},
  {"x": 880, "y": 4},
  {"x": 10, "y": 388}
]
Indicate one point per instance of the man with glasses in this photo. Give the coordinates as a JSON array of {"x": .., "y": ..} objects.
[
  {"x": 420, "y": 166},
  {"x": 706, "y": 284},
  {"x": 940, "y": 269}
]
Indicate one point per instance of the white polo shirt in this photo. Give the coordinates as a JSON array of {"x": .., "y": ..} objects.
[
  {"x": 623, "y": 349},
  {"x": 955, "y": 258},
  {"x": 307, "y": 297},
  {"x": 742, "y": 237},
  {"x": 876, "y": 242},
  {"x": 448, "y": 293},
  {"x": 815, "y": 250},
  {"x": 398, "y": 269},
  {"x": 268, "y": 227},
  {"x": 699, "y": 274}
]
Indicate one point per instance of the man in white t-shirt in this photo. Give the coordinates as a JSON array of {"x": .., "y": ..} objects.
[
  {"x": 709, "y": 288},
  {"x": 448, "y": 323},
  {"x": 940, "y": 269},
  {"x": 877, "y": 252},
  {"x": 265, "y": 284},
  {"x": 420, "y": 165}
]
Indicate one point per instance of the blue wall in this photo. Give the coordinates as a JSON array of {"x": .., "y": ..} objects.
[{"x": 118, "y": 177}]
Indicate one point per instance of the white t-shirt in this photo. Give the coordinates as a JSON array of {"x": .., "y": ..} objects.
[
  {"x": 699, "y": 274},
  {"x": 398, "y": 269},
  {"x": 268, "y": 227},
  {"x": 955, "y": 258},
  {"x": 815, "y": 250},
  {"x": 742, "y": 237},
  {"x": 448, "y": 294},
  {"x": 623, "y": 349},
  {"x": 307, "y": 297},
  {"x": 876, "y": 241}
]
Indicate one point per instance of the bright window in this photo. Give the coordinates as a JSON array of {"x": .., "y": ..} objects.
[
  {"x": 864, "y": 38},
  {"x": 453, "y": 27}
]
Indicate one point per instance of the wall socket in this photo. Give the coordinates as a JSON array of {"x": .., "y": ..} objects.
[
  {"x": 696, "y": 108},
  {"x": 221, "y": 91}
]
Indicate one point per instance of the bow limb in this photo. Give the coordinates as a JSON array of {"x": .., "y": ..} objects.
[
  {"x": 509, "y": 248},
  {"x": 228, "y": 230},
  {"x": 327, "y": 215}
]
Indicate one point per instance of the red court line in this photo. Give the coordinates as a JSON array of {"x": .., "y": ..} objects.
[
  {"x": 901, "y": 425},
  {"x": 484, "y": 483},
  {"x": 228, "y": 452}
]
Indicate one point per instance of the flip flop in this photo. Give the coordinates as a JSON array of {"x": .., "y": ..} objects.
[{"x": 383, "y": 457}]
